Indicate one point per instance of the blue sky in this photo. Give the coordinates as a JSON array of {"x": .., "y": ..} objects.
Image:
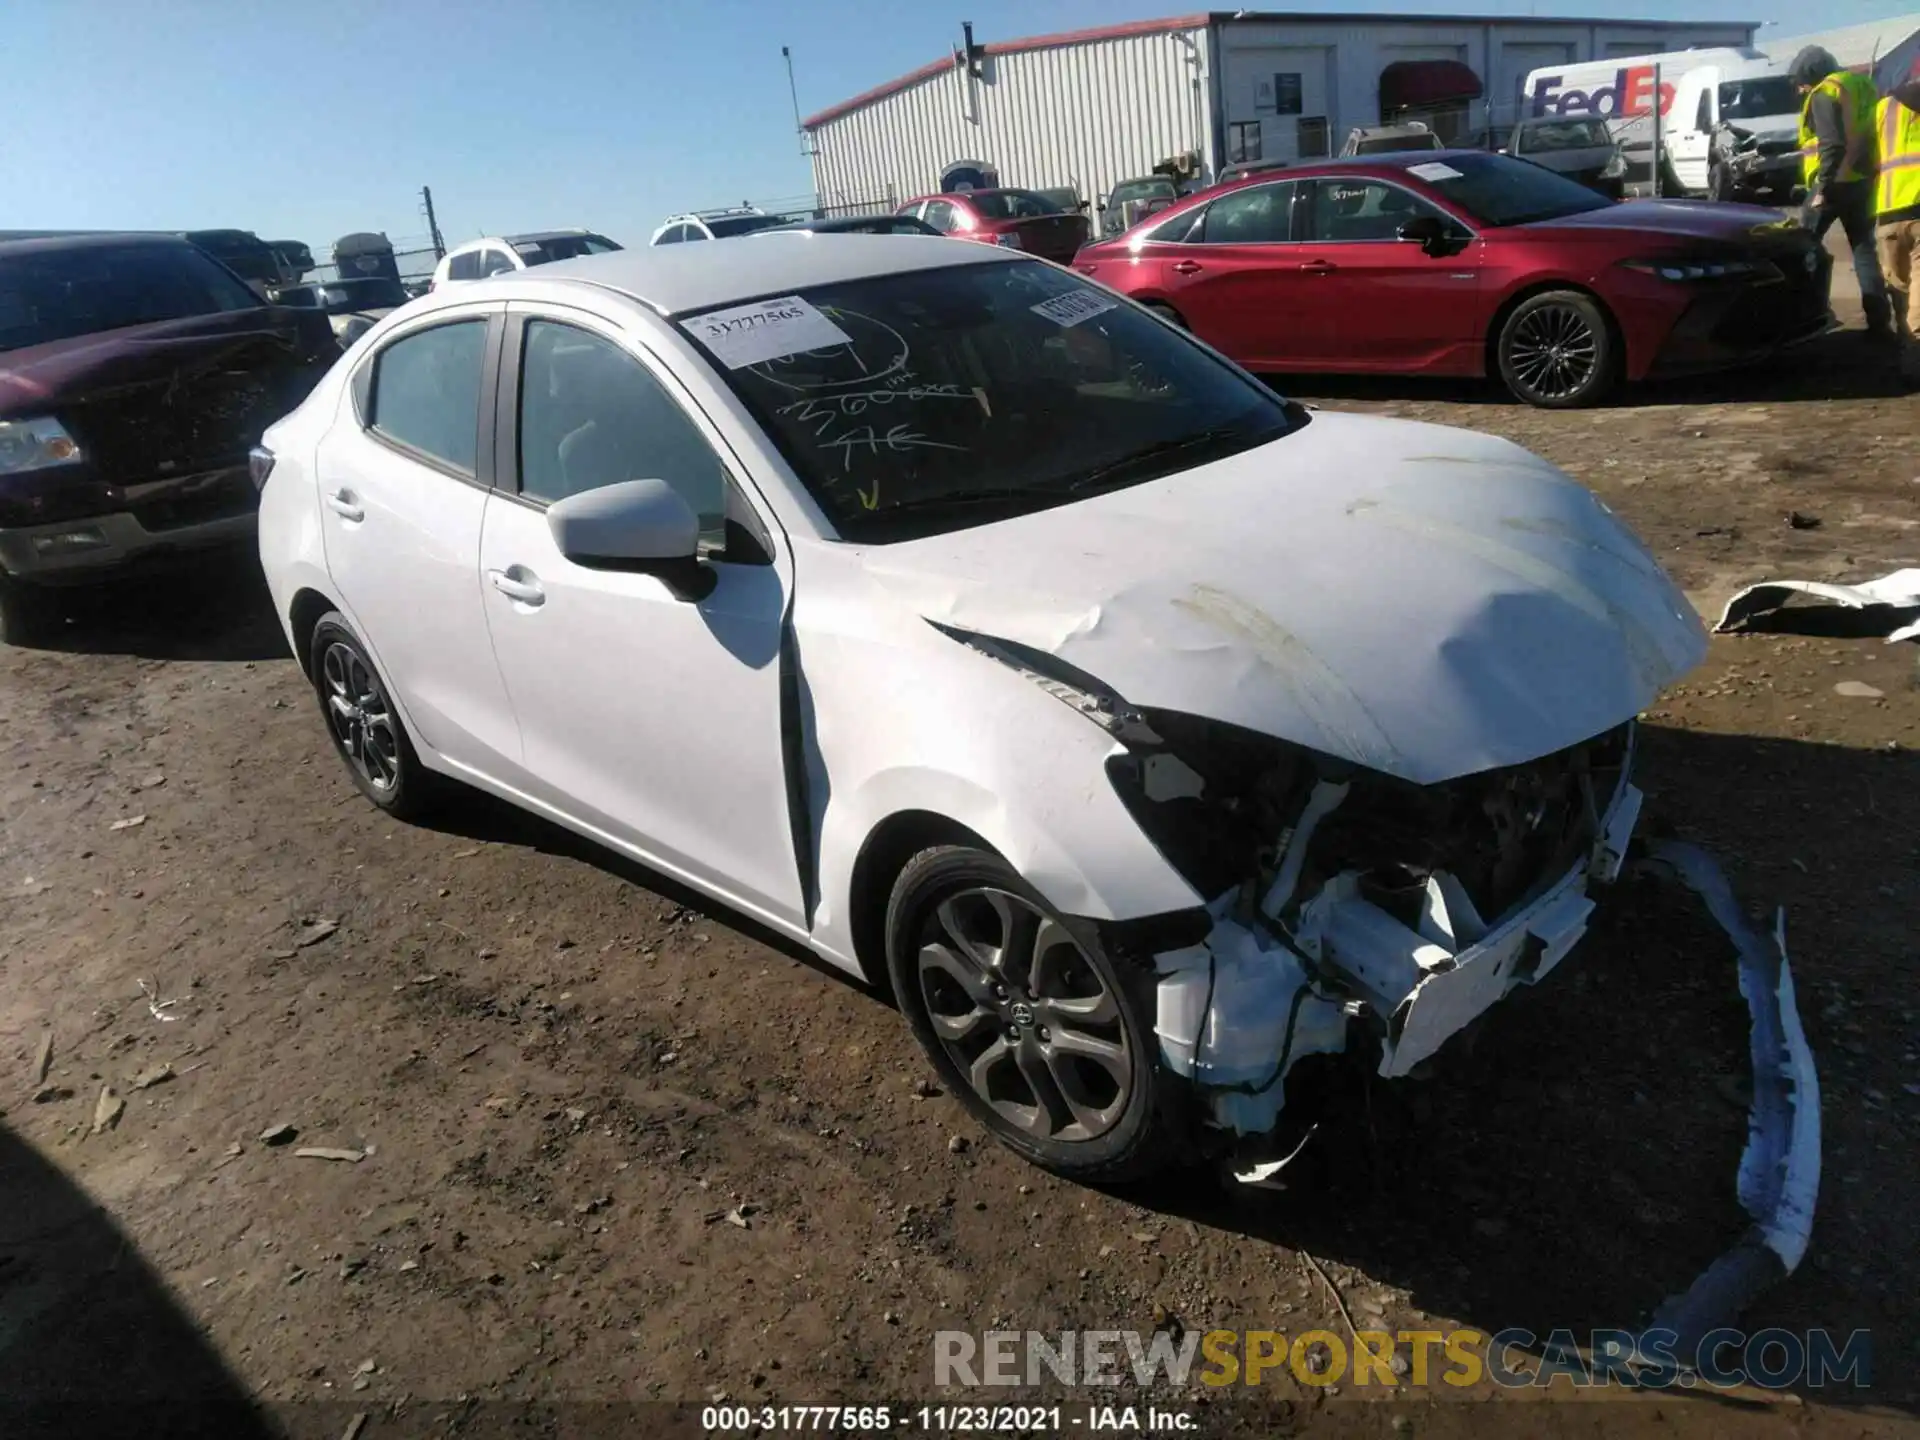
[{"x": 308, "y": 121}]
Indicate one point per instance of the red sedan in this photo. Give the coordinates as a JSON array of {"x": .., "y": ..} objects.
[
  {"x": 1018, "y": 219},
  {"x": 1465, "y": 263}
]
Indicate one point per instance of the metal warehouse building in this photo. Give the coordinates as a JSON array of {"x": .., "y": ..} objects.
[{"x": 1092, "y": 107}]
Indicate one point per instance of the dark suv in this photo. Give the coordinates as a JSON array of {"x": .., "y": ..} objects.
[{"x": 135, "y": 375}]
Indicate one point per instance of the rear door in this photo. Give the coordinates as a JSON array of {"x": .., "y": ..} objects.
[
  {"x": 1372, "y": 301},
  {"x": 403, "y": 489},
  {"x": 1236, "y": 280}
]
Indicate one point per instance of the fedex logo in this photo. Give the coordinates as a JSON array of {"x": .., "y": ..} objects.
[{"x": 1630, "y": 94}]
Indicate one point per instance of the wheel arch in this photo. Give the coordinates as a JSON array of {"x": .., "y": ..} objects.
[
  {"x": 304, "y": 614},
  {"x": 1490, "y": 350},
  {"x": 883, "y": 855}
]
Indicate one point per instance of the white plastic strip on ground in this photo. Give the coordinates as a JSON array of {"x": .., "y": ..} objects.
[
  {"x": 1899, "y": 592},
  {"x": 1780, "y": 1168}
]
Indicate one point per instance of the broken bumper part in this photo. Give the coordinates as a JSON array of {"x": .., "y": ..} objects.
[
  {"x": 1237, "y": 1013},
  {"x": 1780, "y": 1167}
]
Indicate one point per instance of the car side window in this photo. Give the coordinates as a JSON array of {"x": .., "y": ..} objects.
[
  {"x": 1349, "y": 210},
  {"x": 494, "y": 261},
  {"x": 464, "y": 266},
  {"x": 941, "y": 215},
  {"x": 692, "y": 232},
  {"x": 426, "y": 392},
  {"x": 592, "y": 415},
  {"x": 1257, "y": 215},
  {"x": 670, "y": 235},
  {"x": 1703, "y": 117}
]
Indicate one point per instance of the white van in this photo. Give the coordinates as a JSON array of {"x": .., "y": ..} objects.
[{"x": 1729, "y": 118}]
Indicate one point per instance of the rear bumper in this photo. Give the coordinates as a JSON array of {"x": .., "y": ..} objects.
[{"x": 74, "y": 551}]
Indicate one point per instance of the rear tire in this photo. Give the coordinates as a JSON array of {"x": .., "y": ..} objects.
[
  {"x": 1556, "y": 351},
  {"x": 1047, "y": 1040},
  {"x": 365, "y": 725}
]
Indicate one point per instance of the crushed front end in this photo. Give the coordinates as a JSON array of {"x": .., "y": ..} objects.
[{"x": 1355, "y": 910}]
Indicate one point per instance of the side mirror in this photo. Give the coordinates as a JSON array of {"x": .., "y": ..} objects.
[
  {"x": 1428, "y": 231},
  {"x": 642, "y": 526}
]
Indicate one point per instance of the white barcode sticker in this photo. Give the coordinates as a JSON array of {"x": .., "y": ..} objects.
[
  {"x": 1434, "y": 170},
  {"x": 765, "y": 330},
  {"x": 1073, "y": 307}
]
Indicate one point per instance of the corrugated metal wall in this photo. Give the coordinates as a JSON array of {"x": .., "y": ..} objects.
[{"x": 1085, "y": 114}]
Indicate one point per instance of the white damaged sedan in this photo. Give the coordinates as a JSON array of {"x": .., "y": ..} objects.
[{"x": 993, "y": 639}]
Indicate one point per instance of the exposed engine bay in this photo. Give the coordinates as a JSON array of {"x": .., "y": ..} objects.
[{"x": 1350, "y": 906}]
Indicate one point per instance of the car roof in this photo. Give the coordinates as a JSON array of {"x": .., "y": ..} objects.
[
  {"x": 534, "y": 237},
  {"x": 678, "y": 279},
  {"x": 35, "y": 244}
]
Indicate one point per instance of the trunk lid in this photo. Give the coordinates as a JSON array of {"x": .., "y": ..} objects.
[{"x": 1051, "y": 237}]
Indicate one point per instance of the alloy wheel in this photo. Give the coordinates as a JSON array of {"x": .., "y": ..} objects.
[
  {"x": 1554, "y": 351},
  {"x": 361, "y": 717},
  {"x": 1025, "y": 1017}
]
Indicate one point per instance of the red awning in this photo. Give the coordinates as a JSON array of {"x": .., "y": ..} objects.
[{"x": 1422, "y": 84}]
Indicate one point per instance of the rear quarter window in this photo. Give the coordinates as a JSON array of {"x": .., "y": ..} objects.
[{"x": 425, "y": 393}]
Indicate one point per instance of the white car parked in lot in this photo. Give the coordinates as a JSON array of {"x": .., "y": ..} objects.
[
  {"x": 991, "y": 637},
  {"x": 499, "y": 254}
]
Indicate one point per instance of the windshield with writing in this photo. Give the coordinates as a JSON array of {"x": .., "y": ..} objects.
[
  {"x": 946, "y": 398},
  {"x": 1497, "y": 190}
]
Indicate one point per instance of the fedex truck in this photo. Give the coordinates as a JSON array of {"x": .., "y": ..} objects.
[{"x": 1728, "y": 119}]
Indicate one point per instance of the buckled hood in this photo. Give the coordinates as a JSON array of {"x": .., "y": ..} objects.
[{"x": 1425, "y": 601}]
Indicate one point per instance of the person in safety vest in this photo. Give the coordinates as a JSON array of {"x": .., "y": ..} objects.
[
  {"x": 1837, "y": 166},
  {"x": 1897, "y": 209}
]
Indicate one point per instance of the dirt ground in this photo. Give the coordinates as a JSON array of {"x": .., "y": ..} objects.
[{"x": 565, "y": 1073}]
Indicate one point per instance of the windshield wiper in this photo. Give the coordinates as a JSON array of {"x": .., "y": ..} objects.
[{"x": 1161, "y": 449}]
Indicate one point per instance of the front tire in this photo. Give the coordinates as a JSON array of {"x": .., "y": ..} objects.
[
  {"x": 364, "y": 724},
  {"x": 1556, "y": 351},
  {"x": 27, "y": 614},
  {"x": 1720, "y": 185},
  {"x": 1047, "y": 1040}
]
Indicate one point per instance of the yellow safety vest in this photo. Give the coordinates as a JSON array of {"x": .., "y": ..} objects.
[
  {"x": 1856, "y": 95},
  {"x": 1899, "y": 130}
]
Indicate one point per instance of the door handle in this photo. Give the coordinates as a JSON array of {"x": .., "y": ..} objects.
[
  {"x": 528, "y": 591},
  {"x": 342, "y": 503},
  {"x": 1318, "y": 267},
  {"x": 1186, "y": 267}
]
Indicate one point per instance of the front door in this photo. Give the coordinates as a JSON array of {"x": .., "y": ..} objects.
[
  {"x": 1378, "y": 302},
  {"x": 1235, "y": 278},
  {"x": 402, "y": 496},
  {"x": 652, "y": 719}
]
